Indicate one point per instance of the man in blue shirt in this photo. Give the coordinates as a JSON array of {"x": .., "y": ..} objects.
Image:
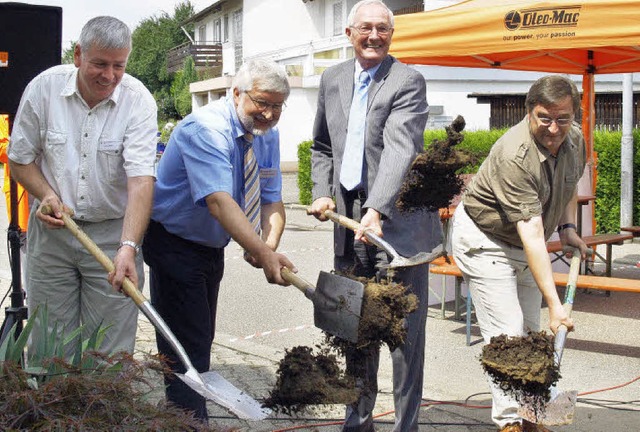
[{"x": 199, "y": 206}]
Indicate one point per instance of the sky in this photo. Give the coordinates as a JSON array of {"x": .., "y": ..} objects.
[{"x": 75, "y": 13}]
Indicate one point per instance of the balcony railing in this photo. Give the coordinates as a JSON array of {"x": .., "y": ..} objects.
[
  {"x": 204, "y": 56},
  {"x": 418, "y": 7}
]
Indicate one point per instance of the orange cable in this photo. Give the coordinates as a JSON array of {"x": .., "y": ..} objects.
[
  {"x": 609, "y": 388},
  {"x": 446, "y": 403}
]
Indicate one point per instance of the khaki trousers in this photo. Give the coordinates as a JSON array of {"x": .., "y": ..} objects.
[
  {"x": 505, "y": 296},
  {"x": 63, "y": 275}
]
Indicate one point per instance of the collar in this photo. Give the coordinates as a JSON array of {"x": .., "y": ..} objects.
[
  {"x": 371, "y": 71},
  {"x": 71, "y": 87}
]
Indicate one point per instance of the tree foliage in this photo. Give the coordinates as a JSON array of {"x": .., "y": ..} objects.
[
  {"x": 67, "y": 55},
  {"x": 180, "y": 87},
  {"x": 153, "y": 37}
]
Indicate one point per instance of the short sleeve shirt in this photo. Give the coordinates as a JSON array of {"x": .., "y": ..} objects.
[
  {"x": 205, "y": 155},
  {"x": 86, "y": 154},
  {"x": 521, "y": 179}
]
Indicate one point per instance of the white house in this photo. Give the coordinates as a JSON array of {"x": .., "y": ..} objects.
[{"x": 307, "y": 36}]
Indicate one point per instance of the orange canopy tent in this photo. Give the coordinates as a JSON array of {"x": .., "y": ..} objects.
[{"x": 572, "y": 37}]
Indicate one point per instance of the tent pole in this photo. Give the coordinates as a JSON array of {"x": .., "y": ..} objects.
[
  {"x": 588, "y": 125},
  {"x": 626, "y": 153}
]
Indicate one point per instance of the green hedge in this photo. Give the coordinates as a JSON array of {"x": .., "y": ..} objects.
[
  {"x": 304, "y": 172},
  {"x": 478, "y": 143},
  {"x": 607, "y": 208}
]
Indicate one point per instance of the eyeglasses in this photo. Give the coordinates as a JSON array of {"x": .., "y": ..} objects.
[
  {"x": 546, "y": 121},
  {"x": 366, "y": 29},
  {"x": 264, "y": 105}
]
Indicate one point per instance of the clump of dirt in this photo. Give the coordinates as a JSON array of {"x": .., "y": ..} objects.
[
  {"x": 431, "y": 182},
  {"x": 305, "y": 378},
  {"x": 308, "y": 378},
  {"x": 523, "y": 366},
  {"x": 385, "y": 304}
]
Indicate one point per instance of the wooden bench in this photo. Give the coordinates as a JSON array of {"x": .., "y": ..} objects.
[
  {"x": 634, "y": 230},
  {"x": 441, "y": 267},
  {"x": 609, "y": 240}
]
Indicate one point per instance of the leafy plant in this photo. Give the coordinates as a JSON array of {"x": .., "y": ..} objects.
[
  {"x": 607, "y": 208},
  {"x": 304, "y": 172},
  {"x": 92, "y": 392},
  {"x": 478, "y": 144}
]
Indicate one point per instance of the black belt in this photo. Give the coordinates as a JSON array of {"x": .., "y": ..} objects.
[{"x": 360, "y": 194}]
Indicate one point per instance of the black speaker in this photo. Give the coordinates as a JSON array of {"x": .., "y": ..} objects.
[{"x": 30, "y": 42}]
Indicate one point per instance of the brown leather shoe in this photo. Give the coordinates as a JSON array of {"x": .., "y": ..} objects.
[
  {"x": 527, "y": 426},
  {"x": 512, "y": 427}
]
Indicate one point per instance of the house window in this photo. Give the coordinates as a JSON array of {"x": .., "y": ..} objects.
[
  {"x": 338, "y": 26},
  {"x": 225, "y": 28},
  {"x": 217, "y": 30},
  {"x": 202, "y": 34}
]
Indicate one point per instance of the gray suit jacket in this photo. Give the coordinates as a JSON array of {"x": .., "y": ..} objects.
[{"x": 397, "y": 112}]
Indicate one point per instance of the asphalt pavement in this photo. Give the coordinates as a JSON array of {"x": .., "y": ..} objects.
[{"x": 257, "y": 322}]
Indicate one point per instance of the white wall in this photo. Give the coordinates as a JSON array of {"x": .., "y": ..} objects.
[
  {"x": 296, "y": 122},
  {"x": 275, "y": 24}
]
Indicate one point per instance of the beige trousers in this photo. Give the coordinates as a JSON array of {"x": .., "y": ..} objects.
[
  {"x": 63, "y": 275},
  {"x": 505, "y": 296}
]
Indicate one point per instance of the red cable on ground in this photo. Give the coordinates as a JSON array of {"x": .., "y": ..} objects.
[
  {"x": 446, "y": 403},
  {"x": 609, "y": 388}
]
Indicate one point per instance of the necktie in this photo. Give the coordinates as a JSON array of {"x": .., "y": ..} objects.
[
  {"x": 251, "y": 185},
  {"x": 351, "y": 170}
]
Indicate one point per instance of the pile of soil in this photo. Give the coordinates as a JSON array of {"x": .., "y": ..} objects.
[
  {"x": 523, "y": 366},
  {"x": 385, "y": 304},
  {"x": 431, "y": 183},
  {"x": 305, "y": 378},
  {"x": 308, "y": 378}
]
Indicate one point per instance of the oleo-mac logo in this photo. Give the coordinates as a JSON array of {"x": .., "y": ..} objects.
[{"x": 542, "y": 17}]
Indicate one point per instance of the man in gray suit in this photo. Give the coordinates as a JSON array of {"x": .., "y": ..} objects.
[{"x": 396, "y": 114}]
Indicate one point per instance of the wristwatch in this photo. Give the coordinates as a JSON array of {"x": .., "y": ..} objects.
[
  {"x": 130, "y": 243},
  {"x": 567, "y": 225}
]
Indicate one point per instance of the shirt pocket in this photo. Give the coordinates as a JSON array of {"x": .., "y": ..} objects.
[
  {"x": 110, "y": 160},
  {"x": 54, "y": 150},
  {"x": 571, "y": 179}
]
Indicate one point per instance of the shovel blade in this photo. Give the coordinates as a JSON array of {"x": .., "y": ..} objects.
[
  {"x": 214, "y": 387},
  {"x": 560, "y": 410},
  {"x": 337, "y": 305},
  {"x": 420, "y": 258}
]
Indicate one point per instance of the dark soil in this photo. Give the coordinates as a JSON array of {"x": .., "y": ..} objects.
[
  {"x": 305, "y": 378},
  {"x": 384, "y": 306},
  {"x": 523, "y": 366},
  {"x": 431, "y": 183}
]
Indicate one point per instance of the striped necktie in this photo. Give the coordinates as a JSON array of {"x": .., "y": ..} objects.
[{"x": 251, "y": 184}]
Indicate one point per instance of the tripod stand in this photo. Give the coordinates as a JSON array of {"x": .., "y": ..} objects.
[{"x": 17, "y": 312}]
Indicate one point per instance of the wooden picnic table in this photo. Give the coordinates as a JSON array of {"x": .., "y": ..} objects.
[{"x": 609, "y": 240}]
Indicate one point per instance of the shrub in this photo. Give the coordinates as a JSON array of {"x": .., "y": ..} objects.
[
  {"x": 607, "y": 206},
  {"x": 93, "y": 392},
  {"x": 478, "y": 144},
  {"x": 304, "y": 172}
]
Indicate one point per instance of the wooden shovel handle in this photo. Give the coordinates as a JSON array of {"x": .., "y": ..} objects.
[
  {"x": 342, "y": 220},
  {"x": 303, "y": 285},
  {"x": 127, "y": 286},
  {"x": 572, "y": 279}
]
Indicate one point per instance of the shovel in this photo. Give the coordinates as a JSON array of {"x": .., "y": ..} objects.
[
  {"x": 397, "y": 260},
  {"x": 560, "y": 409},
  {"x": 210, "y": 385},
  {"x": 337, "y": 302}
]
